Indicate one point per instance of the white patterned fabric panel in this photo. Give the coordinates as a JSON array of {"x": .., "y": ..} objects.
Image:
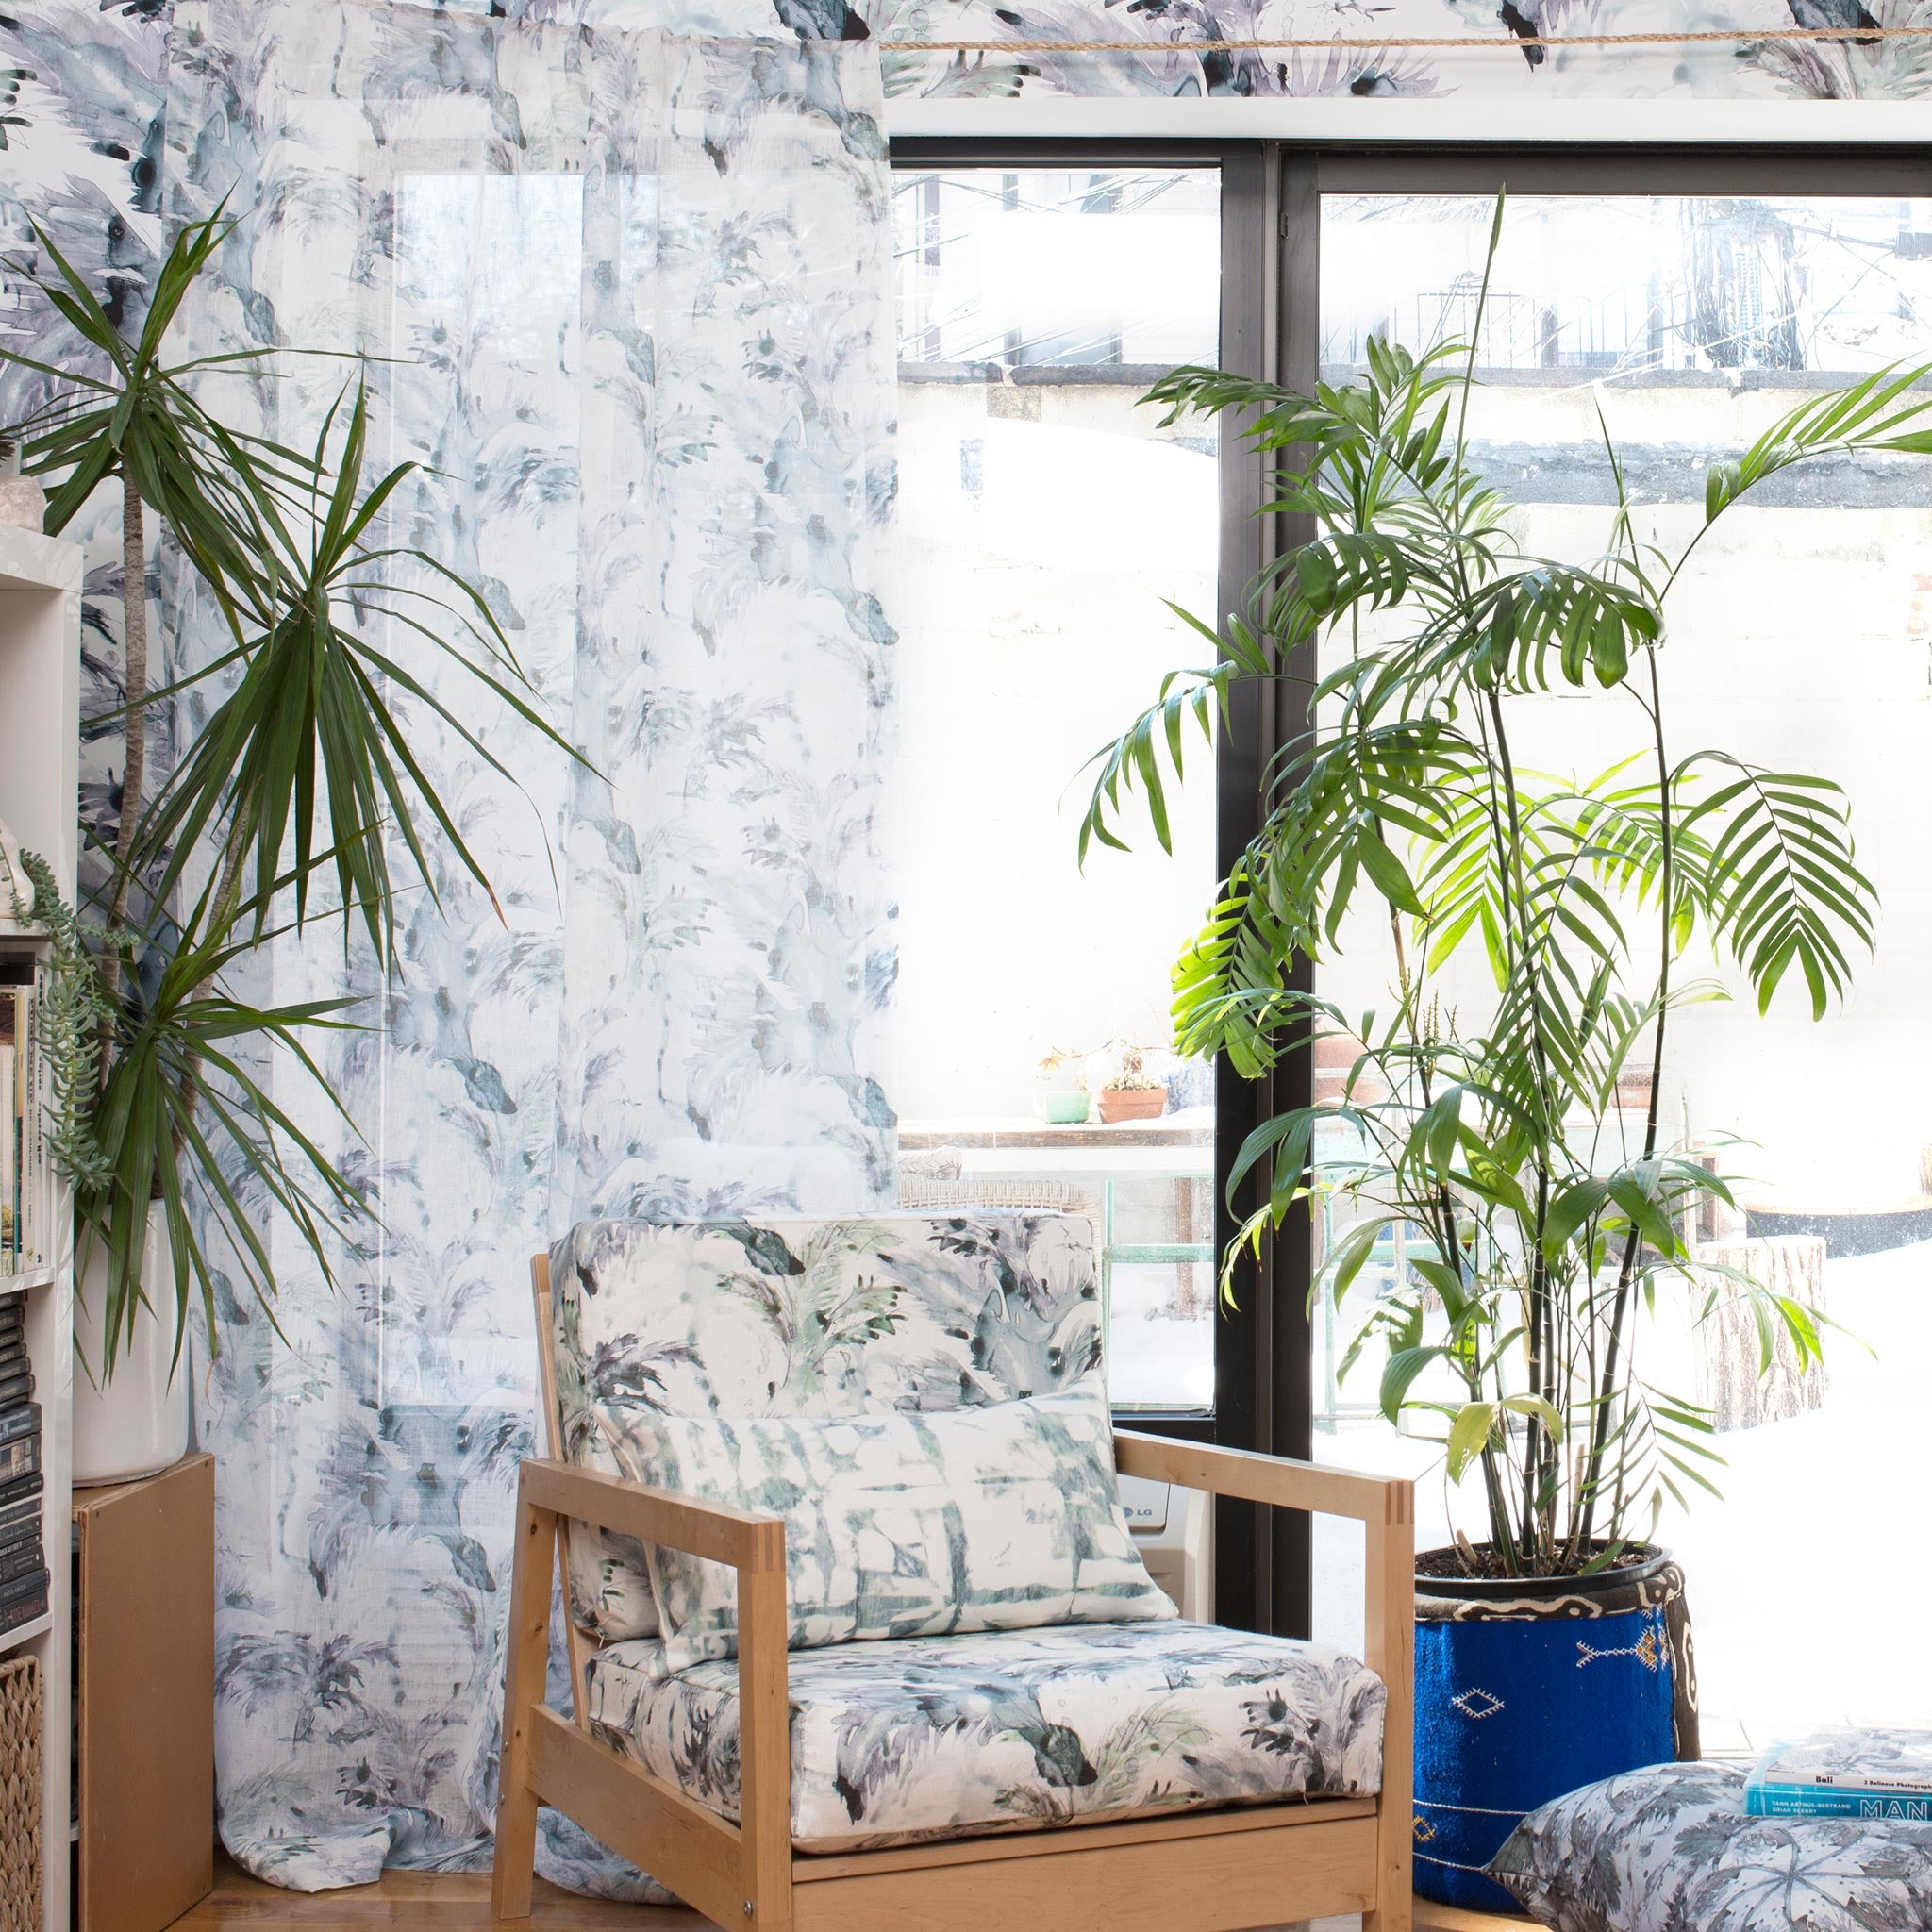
[
  {"x": 801, "y": 1316},
  {"x": 928, "y": 1738},
  {"x": 998, "y": 1518}
]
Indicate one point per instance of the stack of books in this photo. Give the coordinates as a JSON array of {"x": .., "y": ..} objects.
[
  {"x": 1882, "y": 1775},
  {"x": 23, "y": 1558},
  {"x": 25, "y": 1197}
]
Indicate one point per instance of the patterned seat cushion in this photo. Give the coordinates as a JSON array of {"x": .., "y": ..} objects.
[
  {"x": 922, "y": 1737},
  {"x": 798, "y": 1317},
  {"x": 1672, "y": 1850}
]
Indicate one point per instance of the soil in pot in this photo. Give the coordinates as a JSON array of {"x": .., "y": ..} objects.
[{"x": 1530, "y": 1688}]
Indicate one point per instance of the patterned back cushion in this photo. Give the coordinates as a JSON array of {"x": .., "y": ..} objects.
[{"x": 800, "y": 1316}]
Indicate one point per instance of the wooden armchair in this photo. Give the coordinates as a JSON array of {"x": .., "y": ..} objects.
[{"x": 1201, "y": 1870}]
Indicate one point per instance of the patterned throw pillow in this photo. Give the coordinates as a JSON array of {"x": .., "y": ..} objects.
[
  {"x": 998, "y": 1518},
  {"x": 1670, "y": 1850}
]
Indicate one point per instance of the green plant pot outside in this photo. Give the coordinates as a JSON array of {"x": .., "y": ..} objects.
[{"x": 1064, "y": 1109}]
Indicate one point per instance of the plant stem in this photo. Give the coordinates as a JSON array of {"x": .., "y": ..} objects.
[
  {"x": 134, "y": 763},
  {"x": 1536, "y": 1446},
  {"x": 1600, "y": 1422},
  {"x": 1439, "y": 1203},
  {"x": 220, "y": 910}
]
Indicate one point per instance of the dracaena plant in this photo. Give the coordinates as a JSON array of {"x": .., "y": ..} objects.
[
  {"x": 1480, "y": 1128},
  {"x": 160, "y": 1103}
]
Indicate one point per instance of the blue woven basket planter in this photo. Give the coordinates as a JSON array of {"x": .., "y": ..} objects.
[{"x": 1524, "y": 1691}]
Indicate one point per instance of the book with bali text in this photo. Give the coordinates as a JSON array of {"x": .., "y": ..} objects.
[{"x": 1875, "y": 1773}]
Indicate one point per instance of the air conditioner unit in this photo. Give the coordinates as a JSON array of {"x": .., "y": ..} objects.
[{"x": 1173, "y": 1531}]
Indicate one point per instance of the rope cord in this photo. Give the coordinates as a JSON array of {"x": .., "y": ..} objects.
[{"x": 1730, "y": 36}]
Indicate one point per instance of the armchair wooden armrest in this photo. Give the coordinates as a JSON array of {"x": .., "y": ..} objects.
[
  {"x": 538, "y": 1763},
  {"x": 1277, "y": 1479},
  {"x": 749, "y": 1541},
  {"x": 1385, "y": 1507}
]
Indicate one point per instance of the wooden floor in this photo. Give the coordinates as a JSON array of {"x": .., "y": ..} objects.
[
  {"x": 436, "y": 1902},
  {"x": 439, "y": 1903}
]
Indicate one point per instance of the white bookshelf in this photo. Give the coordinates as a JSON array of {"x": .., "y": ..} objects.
[{"x": 39, "y": 788}]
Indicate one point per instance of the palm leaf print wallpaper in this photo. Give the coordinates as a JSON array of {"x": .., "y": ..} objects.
[{"x": 667, "y": 455}]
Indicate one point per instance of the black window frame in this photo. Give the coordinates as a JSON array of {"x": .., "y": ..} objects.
[{"x": 1271, "y": 328}]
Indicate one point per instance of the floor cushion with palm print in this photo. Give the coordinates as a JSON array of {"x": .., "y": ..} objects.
[{"x": 1672, "y": 1850}]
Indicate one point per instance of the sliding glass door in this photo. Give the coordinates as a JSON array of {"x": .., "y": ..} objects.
[
  {"x": 1049, "y": 522},
  {"x": 1683, "y": 300},
  {"x": 1681, "y": 324},
  {"x": 1046, "y": 519}
]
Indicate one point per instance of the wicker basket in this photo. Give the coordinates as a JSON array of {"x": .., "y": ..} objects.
[{"x": 20, "y": 1795}]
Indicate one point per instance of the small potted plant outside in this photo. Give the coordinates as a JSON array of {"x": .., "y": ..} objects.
[
  {"x": 1128, "y": 1091},
  {"x": 1515, "y": 1335},
  {"x": 1060, "y": 1096}
]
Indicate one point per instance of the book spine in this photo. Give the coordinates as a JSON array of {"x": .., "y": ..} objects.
[
  {"x": 21, "y": 1420},
  {"x": 21, "y": 1456},
  {"x": 9, "y": 1199},
  {"x": 25, "y": 1586},
  {"x": 33, "y": 1121},
  {"x": 20, "y": 1489},
  {"x": 18, "y": 1563},
  {"x": 14, "y": 1615},
  {"x": 43, "y": 1124},
  {"x": 29, "y": 1233},
  {"x": 1915, "y": 1778},
  {"x": 31, "y": 1211},
  {"x": 1833, "y": 1800},
  {"x": 18, "y": 1109},
  {"x": 23, "y": 1112}
]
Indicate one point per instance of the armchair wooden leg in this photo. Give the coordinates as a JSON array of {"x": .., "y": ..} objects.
[
  {"x": 528, "y": 1652},
  {"x": 1389, "y": 1552}
]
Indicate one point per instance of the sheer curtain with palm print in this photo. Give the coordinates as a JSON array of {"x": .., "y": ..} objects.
[{"x": 630, "y": 293}]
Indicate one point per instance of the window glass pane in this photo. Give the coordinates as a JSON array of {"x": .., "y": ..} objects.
[
  {"x": 1045, "y": 516},
  {"x": 1798, "y": 639}
]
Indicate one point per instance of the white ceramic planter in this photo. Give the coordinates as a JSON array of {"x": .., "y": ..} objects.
[{"x": 137, "y": 1422}]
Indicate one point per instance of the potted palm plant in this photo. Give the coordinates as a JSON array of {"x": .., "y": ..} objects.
[
  {"x": 280, "y": 813},
  {"x": 1511, "y": 1336}
]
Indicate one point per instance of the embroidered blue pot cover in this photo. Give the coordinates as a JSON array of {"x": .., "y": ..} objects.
[{"x": 1521, "y": 1699}]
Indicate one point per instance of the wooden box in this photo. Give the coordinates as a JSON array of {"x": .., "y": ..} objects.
[{"x": 146, "y": 1698}]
